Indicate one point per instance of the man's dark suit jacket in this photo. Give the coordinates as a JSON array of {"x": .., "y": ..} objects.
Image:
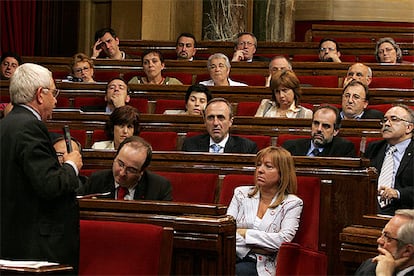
[
  {"x": 367, "y": 268},
  {"x": 235, "y": 144},
  {"x": 372, "y": 114},
  {"x": 150, "y": 187},
  {"x": 339, "y": 147},
  {"x": 404, "y": 179},
  {"x": 39, "y": 210}
]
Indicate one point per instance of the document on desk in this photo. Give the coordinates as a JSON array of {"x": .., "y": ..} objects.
[{"x": 25, "y": 264}]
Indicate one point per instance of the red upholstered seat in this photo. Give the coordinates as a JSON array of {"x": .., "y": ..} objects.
[
  {"x": 60, "y": 75},
  {"x": 367, "y": 58},
  {"x": 366, "y": 141},
  {"x": 89, "y": 101},
  {"x": 294, "y": 259},
  {"x": 391, "y": 82},
  {"x": 163, "y": 105},
  {"x": 78, "y": 134},
  {"x": 105, "y": 75},
  {"x": 319, "y": 81},
  {"x": 262, "y": 141},
  {"x": 123, "y": 248},
  {"x": 247, "y": 108},
  {"x": 381, "y": 107},
  {"x": 161, "y": 140},
  {"x": 356, "y": 141},
  {"x": 250, "y": 79},
  {"x": 98, "y": 135},
  {"x": 192, "y": 187},
  {"x": 308, "y": 191},
  {"x": 129, "y": 75},
  {"x": 284, "y": 137},
  {"x": 305, "y": 58},
  {"x": 185, "y": 78},
  {"x": 202, "y": 77},
  {"x": 62, "y": 102},
  {"x": 140, "y": 104}
]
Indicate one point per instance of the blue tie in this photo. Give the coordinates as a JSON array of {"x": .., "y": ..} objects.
[{"x": 216, "y": 148}]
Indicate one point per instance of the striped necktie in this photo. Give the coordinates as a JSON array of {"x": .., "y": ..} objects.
[
  {"x": 385, "y": 178},
  {"x": 216, "y": 148}
]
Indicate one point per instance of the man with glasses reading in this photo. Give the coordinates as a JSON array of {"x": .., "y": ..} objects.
[
  {"x": 393, "y": 158},
  {"x": 355, "y": 97},
  {"x": 39, "y": 210},
  {"x": 129, "y": 178},
  {"x": 395, "y": 247},
  {"x": 329, "y": 50}
]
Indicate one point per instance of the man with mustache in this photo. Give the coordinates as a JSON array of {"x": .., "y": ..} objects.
[
  {"x": 395, "y": 247},
  {"x": 396, "y": 184},
  {"x": 218, "y": 118},
  {"x": 355, "y": 97},
  {"x": 324, "y": 141}
]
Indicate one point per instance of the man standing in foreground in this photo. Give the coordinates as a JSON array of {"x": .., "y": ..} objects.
[{"x": 39, "y": 210}]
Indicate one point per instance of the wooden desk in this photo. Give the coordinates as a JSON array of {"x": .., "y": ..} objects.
[{"x": 204, "y": 236}]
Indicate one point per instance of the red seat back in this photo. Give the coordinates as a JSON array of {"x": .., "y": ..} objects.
[
  {"x": 161, "y": 140},
  {"x": 293, "y": 259},
  {"x": 123, "y": 248},
  {"x": 250, "y": 79},
  {"x": 247, "y": 108},
  {"x": 140, "y": 104},
  {"x": 319, "y": 81},
  {"x": 284, "y": 137},
  {"x": 380, "y": 107},
  {"x": 192, "y": 187},
  {"x": 262, "y": 141},
  {"x": 129, "y": 75},
  {"x": 99, "y": 135},
  {"x": 391, "y": 82},
  {"x": 185, "y": 78},
  {"x": 230, "y": 182},
  {"x": 202, "y": 77},
  {"x": 78, "y": 134},
  {"x": 356, "y": 141},
  {"x": 105, "y": 75},
  {"x": 89, "y": 101},
  {"x": 163, "y": 105}
]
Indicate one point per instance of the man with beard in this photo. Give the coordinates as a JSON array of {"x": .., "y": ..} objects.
[
  {"x": 324, "y": 141},
  {"x": 393, "y": 158},
  {"x": 395, "y": 247},
  {"x": 129, "y": 178},
  {"x": 185, "y": 47}
]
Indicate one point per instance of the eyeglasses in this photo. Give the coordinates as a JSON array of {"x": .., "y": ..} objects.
[
  {"x": 388, "y": 238},
  {"x": 393, "y": 119},
  {"x": 355, "y": 97},
  {"x": 323, "y": 49},
  {"x": 128, "y": 170},
  {"x": 245, "y": 43},
  {"x": 79, "y": 70},
  {"x": 55, "y": 92}
]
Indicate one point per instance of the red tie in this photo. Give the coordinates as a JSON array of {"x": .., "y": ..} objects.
[{"x": 122, "y": 191}]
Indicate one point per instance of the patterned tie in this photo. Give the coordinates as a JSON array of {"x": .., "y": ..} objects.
[
  {"x": 316, "y": 152},
  {"x": 385, "y": 177},
  {"x": 216, "y": 148},
  {"x": 122, "y": 191}
]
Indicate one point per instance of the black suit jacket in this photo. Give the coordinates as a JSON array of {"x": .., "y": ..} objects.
[
  {"x": 150, "y": 187},
  {"x": 372, "y": 114},
  {"x": 367, "y": 268},
  {"x": 235, "y": 144},
  {"x": 339, "y": 147},
  {"x": 39, "y": 210},
  {"x": 404, "y": 178}
]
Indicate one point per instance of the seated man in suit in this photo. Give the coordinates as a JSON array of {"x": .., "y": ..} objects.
[
  {"x": 117, "y": 95},
  {"x": 129, "y": 178},
  {"x": 277, "y": 63},
  {"x": 329, "y": 50},
  {"x": 245, "y": 48},
  {"x": 185, "y": 47},
  {"x": 355, "y": 97},
  {"x": 218, "y": 118},
  {"x": 360, "y": 72},
  {"x": 324, "y": 141},
  {"x": 107, "y": 45},
  {"x": 393, "y": 158},
  {"x": 395, "y": 247}
]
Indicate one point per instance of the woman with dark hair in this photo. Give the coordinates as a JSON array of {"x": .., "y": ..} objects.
[
  {"x": 153, "y": 64},
  {"x": 123, "y": 122},
  {"x": 196, "y": 99},
  {"x": 286, "y": 93},
  {"x": 267, "y": 214}
]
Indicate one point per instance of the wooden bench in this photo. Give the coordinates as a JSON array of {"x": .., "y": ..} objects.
[
  {"x": 353, "y": 33},
  {"x": 347, "y": 190}
]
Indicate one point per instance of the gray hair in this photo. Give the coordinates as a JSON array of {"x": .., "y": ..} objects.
[
  {"x": 216, "y": 56},
  {"x": 406, "y": 232},
  {"x": 25, "y": 81},
  {"x": 394, "y": 45}
]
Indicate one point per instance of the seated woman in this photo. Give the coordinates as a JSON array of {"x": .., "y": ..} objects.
[
  {"x": 196, "y": 99},
  {"x": 387, "y": 51},
  {"x": 218, "y": 66},
  {"x": 267, "y": 214},
  {"x": 82, "y": 68},
  {"x": 153, "y": 64},
  {"x": 285, "y": 98},
  {"x": 123, "y": 122}
]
